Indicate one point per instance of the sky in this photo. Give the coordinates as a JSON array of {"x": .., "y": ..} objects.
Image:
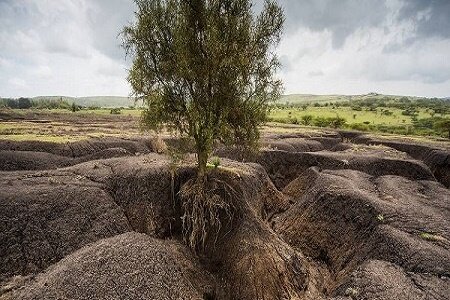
[{"x": 72, "y": 48}]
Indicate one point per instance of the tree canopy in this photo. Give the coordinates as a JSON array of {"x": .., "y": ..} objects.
[{"x": 205, "y": 68}]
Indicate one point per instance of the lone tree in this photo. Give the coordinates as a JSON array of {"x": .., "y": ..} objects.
[{"x": 205, "y": 68}]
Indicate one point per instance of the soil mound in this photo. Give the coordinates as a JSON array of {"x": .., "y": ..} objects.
[
  {"x": 127, "y": 266},
  {"x": 245, "y": 254},
  {"x": 438, "y": 160},
  {"x": 328, "y": 142},
  {"x": 351, "y": 225},
  {"x": 380, "y": 280},
  {"x": 79, "y": 148},
  {"x": 45, "y": 216},
  {"x": 345, "y": 217},
  {"x": 439, "y": 163},
  {"x": 144, "y": 187},
  {"x": 294, "y": 144},
  {"x": 30, "y": 160},
  {"x": 93, "y": 146},
  {"x": 283, "y": 167},
  {"x": 103, "y": 154},
  {"x": 36, "y": 146}
]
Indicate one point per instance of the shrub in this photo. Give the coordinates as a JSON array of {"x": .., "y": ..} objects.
[
  {"x": 307, "y": 119},
  {"x": 115, "y": 111}
]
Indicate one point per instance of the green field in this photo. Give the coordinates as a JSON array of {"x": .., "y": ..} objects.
[{"x": 351, "y": 116}]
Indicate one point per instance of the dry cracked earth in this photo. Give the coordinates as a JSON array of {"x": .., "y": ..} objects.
[{"x": 332, "y": 216}]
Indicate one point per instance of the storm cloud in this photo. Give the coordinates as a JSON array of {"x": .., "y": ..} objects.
[{"x": 71, "y": 47}]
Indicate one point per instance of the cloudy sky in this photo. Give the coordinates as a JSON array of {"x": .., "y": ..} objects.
[{"x": 70, "y": 47}]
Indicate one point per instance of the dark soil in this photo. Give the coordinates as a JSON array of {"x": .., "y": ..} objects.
[
  {"x": 127, "y": 266},
  {"x": 340, "y": 216}
]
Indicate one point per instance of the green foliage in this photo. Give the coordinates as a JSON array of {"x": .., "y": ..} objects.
[
  {"x": 444, "y": 126},
  {"x": 386, "y": 112},
  {"x": 359, "y": 126},
  {"x": 430, "y": 236},
  {"x": 215, "y": 162},
  {"x": 57, "y": 103},
  {"x": 409, "y": 112},
  {"x": 335, "y": 122},
  {"x": 74, "y": 107},
  {"x": 307, "y": 119},
  {"x": 204, "y": 68},
  {"x": 21, "y": 103},
  {"x": 116, "y": 111}
]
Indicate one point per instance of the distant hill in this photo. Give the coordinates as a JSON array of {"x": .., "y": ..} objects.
[
  {"x": 295, "y": 99},
  {"x": 307, "y": 98},
  {"x": 101, "y": 101}
]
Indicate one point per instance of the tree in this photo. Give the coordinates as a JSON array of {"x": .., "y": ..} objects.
[
  {"x": 444, "y": 125},
  {"x": 11, "y": 103},
  {"x": 205, "y": 68},
  {"x": 74, "y": 107},
  {"x": 23, "y": 103}
]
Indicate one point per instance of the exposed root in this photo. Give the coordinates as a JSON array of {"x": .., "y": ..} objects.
[{"x": 204, "y": 203}]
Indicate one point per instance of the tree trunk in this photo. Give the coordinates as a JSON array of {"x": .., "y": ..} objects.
[{"x": 202, "y": 159}]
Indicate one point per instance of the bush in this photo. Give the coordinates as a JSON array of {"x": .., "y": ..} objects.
[
  {"x": 337, "y": 122},
  {"x": 307, "y": 119},
  {"x": 359, "y": 126},
  {"x": 115, "y": 111},
  {"x": 321, "y": 122},
  {"x": 74, "y": 107}
]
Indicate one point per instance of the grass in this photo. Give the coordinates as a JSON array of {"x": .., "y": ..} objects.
[
  {"x": 43, "y": 138},
  {"x": 351, "y": 116},
  {"x": 430, "y": 236}
]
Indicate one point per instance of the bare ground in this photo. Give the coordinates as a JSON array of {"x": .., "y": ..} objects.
[{"x": 318, "y": 216}]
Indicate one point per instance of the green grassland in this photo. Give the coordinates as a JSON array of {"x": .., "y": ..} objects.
[
  {"x": 371, "y": 112},
  {"x": 373, "y": 117}
]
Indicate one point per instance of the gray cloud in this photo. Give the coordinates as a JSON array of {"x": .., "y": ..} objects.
[
  {"x": 340, "y": 17},
  {"x": 432, "y": 17},
  {"x": 107, "y": 19},
  {"x": 71, "y": 47}
]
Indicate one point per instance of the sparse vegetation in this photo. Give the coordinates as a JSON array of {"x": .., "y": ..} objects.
[
  {"x": 430, "y": 236},
  {"x": 116, "y": 111}
]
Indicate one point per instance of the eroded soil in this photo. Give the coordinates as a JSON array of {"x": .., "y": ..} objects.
[{"x": 319, "y": 216}]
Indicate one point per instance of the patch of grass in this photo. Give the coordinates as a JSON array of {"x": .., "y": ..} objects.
[
  {"x": 430, "y": 236},
  {"x": 43, "y": 138},
  {"x": 214, "y": 162}
]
